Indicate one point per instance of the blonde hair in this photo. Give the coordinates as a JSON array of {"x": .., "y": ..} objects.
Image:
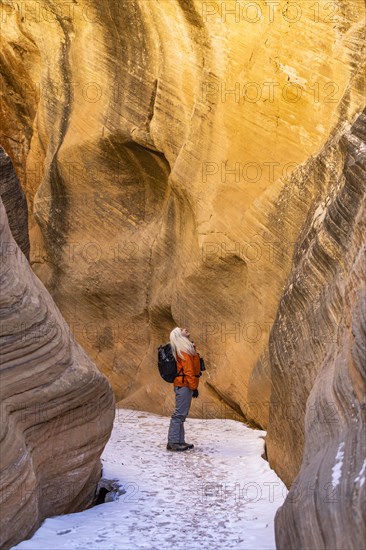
[{"x": 180, "y": 343}]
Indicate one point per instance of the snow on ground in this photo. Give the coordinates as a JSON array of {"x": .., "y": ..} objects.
[{"x": 219, "y": 495}]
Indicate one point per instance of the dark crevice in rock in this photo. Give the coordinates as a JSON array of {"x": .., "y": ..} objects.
[
  {"x": 108, "y": 490},
  {"x": 56, "y": 227},
  {"x": 15, "y": 204}
]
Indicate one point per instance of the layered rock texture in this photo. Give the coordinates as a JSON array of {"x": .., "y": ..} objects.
[
  {"x": 318, "y": 365},
  {"x": 57, "y": 409},
  {"x": 173, "y": 153}
]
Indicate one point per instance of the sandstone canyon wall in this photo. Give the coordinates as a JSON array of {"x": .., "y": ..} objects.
[
  {"x": 185, "y": 164},
  {"x": 316, "y": 433},
  {"x": 57, "y": 409},
  {"x": 165, "y": 151}
]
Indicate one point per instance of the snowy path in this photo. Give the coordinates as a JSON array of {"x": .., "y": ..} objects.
[{"x": 220, "y": 495}]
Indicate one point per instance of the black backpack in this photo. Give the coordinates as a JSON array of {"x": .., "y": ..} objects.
[{"x": 167, "y": 364}]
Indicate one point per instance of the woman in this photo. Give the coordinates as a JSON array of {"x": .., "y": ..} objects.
[{"x": 185, "y": 386}]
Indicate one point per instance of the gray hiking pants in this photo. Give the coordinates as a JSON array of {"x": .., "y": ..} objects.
[{"x": 183, "y": 398}]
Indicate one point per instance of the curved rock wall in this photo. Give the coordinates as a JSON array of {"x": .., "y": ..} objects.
[
  {"x": 159, "y": 140},
  {"x": 316, "y": 435},
  {"x": 57, "y": 409}
]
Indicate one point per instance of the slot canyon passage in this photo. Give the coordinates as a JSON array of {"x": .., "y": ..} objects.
[{"x": 184, "y": 163}]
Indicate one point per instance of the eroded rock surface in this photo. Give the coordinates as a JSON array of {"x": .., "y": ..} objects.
[
  {"x": 57, "y": 409},
  {"x": 157, "y": 197},
  {"x": 316, "y": 433},
  {"x": 15, "y": 204}
]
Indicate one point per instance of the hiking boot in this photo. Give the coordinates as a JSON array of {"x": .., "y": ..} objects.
[
  {"x": 177, "y": 447},
  {"x": 189, "y": 445}
]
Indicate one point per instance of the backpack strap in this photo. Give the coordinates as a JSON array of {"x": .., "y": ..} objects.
[{"x": 182, "y": 375}]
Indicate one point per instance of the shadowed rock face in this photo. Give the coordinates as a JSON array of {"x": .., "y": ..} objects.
[
  {"x": 158, "y": 199},
  {"x": 14, "y": 202},
  {"x": 316, "y": 433},
  {"x": 57, "y": 409}
]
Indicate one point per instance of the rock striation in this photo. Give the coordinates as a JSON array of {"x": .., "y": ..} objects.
[
  {"x": 316, "y": 435},
  {"x": 57, "y": 409}
]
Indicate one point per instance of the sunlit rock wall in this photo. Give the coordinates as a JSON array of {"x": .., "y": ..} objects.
[
  {"x": 56, "y": 410},
  {"x": 318, "y": 362},
  {"x": 166, "y": 148}
]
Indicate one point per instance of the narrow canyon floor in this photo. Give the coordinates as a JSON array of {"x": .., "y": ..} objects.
[{"x": 221, "y": 494}]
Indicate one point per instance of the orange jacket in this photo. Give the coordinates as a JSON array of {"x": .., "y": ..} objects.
[{"x": 191, "y": 369}]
